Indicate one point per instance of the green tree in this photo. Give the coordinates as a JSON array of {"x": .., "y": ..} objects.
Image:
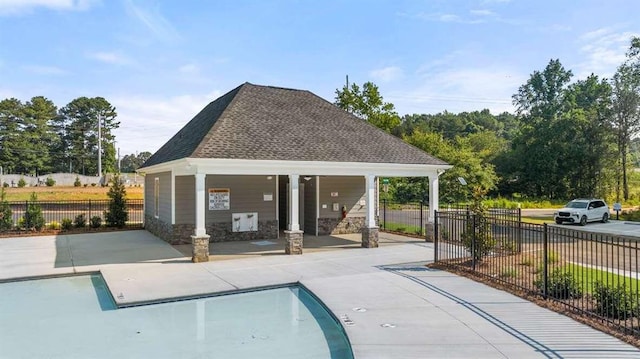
[
  {"x": 466, "y": 164},
  {"x": 37, "y": 135},
  {"x": 6, "y": 215},
  {"x": 33, "y": 218},
  {"x": 130, "y": 163},
  {"x": 10, "y": 118},
  {"x": 117, "y": 214},
  {"x": 626, "y": 111},
  {"x": 78, "y": 124},
  {"x": 538, "y": 155},
  {"x": 368, "y": 104}
]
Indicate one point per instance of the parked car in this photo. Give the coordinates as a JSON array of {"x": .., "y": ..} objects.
[{"x": 583, "y": 211}]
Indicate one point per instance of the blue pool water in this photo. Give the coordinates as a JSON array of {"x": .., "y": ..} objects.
[{"x": 75, "y": 317}]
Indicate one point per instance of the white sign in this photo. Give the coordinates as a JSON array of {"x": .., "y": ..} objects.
[
  {"x": 267, "y": 196},
  {"x": 334, "y": 194},
  {"x": 219, "y": 199},
  {"x": 617, "y": 206}
]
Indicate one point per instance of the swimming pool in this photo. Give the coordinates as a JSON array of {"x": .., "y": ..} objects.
[{"x": 75, "y": 317}]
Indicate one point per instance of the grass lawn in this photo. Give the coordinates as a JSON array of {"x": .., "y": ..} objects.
[
  {"x": 537, "y": 220},
  {"x": 399, "y": 227},
  {"x": 57, "y": 193},
  {"x": 588, "y": 276}
]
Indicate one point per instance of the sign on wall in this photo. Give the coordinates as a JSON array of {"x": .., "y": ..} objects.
[{"x": 219, "y": 199}]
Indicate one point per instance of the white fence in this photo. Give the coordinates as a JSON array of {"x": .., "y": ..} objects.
[{"x": 68, "y": 179}]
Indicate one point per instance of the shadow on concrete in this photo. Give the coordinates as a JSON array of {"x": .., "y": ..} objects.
[{"x": 111, "y": 248}]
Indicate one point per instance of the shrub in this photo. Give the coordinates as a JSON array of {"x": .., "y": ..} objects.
[
  {"x": 613, "y": 302},
  {"x": 93, "y": 185},
  {"x": 67, "y": 224},
  {"x": 77, "y": 183},
  {"x": 477, "y": 236},
  {"x": 85, "y": 185},
  {"x": 21, "y": 222},
  {"x": 33, "y": 218},
  {"x": 22, "y": 182},
  {"x": 80, "y": 221},
  {"x": 95, "y": 222},
  {"x": 561, "y": 285},
  {"x": 5, "y": 185},
  {"x": 117, "y": 214},
  {"x": 50, "y": 182},
  {"x": 54, "y": 225},
  {"x": 6, "y": 215}
]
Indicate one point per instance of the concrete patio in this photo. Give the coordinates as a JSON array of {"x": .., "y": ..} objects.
[{"x": 390, "y": 304}]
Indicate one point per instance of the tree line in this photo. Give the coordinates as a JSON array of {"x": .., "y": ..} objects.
[
  {"x": 37, "y": 137},
  {"x": 566, "y": 139}
]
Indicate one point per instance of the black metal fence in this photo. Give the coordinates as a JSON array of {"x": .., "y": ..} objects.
[
  {"x": 412, "y": 217},
  {"x": 55, "y": 213},
  {"x": 592, "y": 274}
]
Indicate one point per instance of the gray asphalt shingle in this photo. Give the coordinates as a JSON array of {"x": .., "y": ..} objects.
[{"x": 270, "y": 123}]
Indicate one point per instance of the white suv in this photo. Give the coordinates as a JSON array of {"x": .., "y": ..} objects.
[{"x": 583, "y": 211}]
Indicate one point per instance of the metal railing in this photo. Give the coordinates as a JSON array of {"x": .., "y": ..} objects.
[
  {"x": 57, "y": 212},
  {"x": 593, "y": 274}
]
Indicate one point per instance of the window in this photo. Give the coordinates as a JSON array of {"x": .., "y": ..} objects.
[{"x": 156, "y": 198}]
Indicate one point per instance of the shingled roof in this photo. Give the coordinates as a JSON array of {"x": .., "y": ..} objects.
[{"x": 270, "y": 123}]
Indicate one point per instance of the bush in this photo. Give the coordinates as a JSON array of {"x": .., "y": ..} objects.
[
  {"x": 561, "y": 285},
  {"x": 50, "y": 182},
  {"x": 77, "y": 183},
  {"x": 477, "y": 236},
  {"x": 93, "y": 185},
  {"x": 5, "y": 185},
  {"x": 33, "y": 218},
  {"x": 95, "y": 222},
  {"x": 67, "y": 224},
  {"x": 614, "y": 302},
  {"x": 22, "y": 182},
  {"x": 117, "y": 214},
  {"x": 80, "y": 221},
  {"x": 85, "y": 185},
  {"x": 6, "y": 215},
  {"x": 54, "y": 225}
]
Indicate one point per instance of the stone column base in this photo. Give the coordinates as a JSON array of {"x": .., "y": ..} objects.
[
  {"x": 370, "y": 237},
  {"x": 430, "y": 232},
  {"x": 200, "y": 248},
  {"x": 294, "y": 242}
]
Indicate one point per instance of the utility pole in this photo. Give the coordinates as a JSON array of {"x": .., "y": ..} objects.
[{"x": 100, "y": 147}]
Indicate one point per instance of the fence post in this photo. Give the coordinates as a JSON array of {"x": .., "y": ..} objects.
[
  {"x": 436, "y": 235},
  {"x": 89, "y": 210},
  {"x": 384, "y": 214},
  {"x": 545, "y": 261},
  {"x": 421, "y": 221},
  {"x": 473, "y": 241},
  {"x": 519, "y": 234}
]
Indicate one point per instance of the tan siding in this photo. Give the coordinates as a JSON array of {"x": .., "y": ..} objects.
[
  {"x": 310, "y": 220},
  {"x": 185, "y": 199},
  {"x": 351, "y": 190},
  {"x": 246, "y": 196},
  {"x": 165, "y": 195}
]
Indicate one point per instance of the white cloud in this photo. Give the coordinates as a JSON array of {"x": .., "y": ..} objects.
[
  {"x": 603, "y": 51},
  {"x": 45, "y": 70},
  {"x": 386, "y": 74},
  {"x": 146, "y": 123},
  {"x": 483, "y": 12},
  {"x": 113, "y": 58},
  {"x": 457, "y": 90},
  {"x": 10, "y": 7},
  {"x": 153, "y": 20}
]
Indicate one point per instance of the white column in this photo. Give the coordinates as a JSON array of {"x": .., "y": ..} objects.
[
  {"x": 294, "y": 202},
  {"x": 200, "y": 205},
  {"x": 433, "y": 196},
  {"x": 173, "y": 197},
  {"x": 371, "y": 197}
]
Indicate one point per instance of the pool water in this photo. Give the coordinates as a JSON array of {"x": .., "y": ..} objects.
[{"x": 75, "y": 317}]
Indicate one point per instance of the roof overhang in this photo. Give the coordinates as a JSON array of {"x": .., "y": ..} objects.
[{"x": 191, "y": 166}]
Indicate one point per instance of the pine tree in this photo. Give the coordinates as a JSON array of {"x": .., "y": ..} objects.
[
  {"x": 33, "y": 218},
  {"x": 117, "y": 215},
  {"x": 6, "y": 215}
]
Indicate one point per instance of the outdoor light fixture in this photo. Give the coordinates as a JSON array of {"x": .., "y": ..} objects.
[{"x": 306, "y": 178}]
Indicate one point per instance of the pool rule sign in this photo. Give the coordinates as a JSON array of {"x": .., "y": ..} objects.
[{"x": 219, "y": 199}]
